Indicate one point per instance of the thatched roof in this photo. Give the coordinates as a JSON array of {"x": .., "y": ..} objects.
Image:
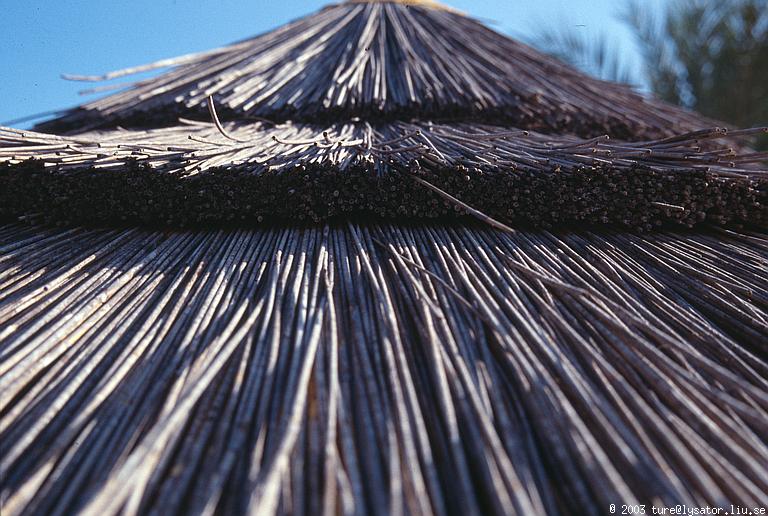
[
  {"x": 382, "y": 59},
  {"x": 381, "y": 368},
  {"x": 389, "y": 354}
]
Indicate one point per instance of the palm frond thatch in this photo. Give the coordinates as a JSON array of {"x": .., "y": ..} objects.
[{"x": 381, "y": 368}]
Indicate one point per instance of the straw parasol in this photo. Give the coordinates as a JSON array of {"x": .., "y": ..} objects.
[{"x": 382, "y": 259}]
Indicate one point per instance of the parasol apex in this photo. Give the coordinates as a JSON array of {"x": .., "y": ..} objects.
[{"x": 429, "y": 4}]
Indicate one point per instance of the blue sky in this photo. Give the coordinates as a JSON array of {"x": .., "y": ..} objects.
[{"x": 42, "y": 39}]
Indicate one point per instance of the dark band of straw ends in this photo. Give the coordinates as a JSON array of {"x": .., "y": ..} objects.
[{"x": 214, "y": 173}]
